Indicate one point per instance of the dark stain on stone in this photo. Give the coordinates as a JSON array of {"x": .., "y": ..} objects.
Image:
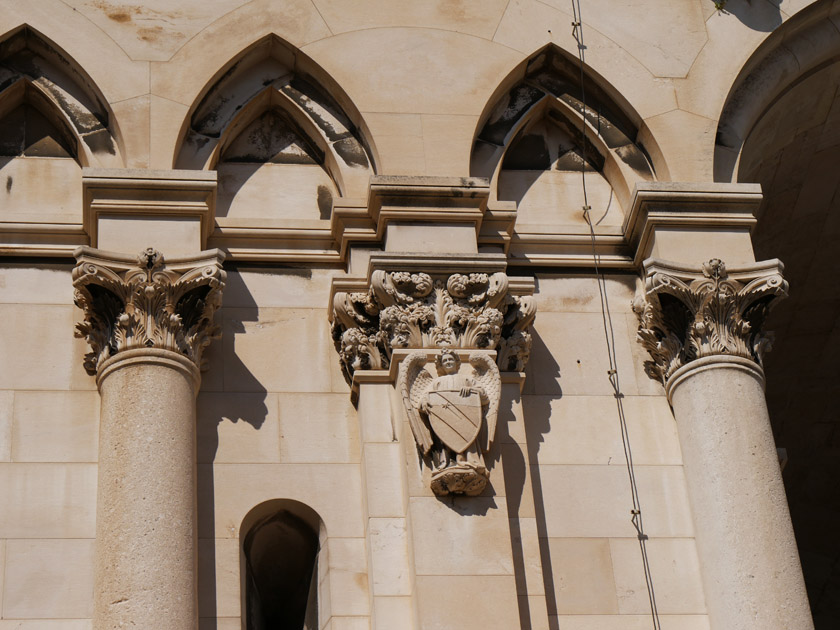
[
  {"x": 613, "y": 136},
  {"x": 100, "y": 142},
  {"x": 506, "y": 114},
  {"x": 234, "y": 89},
  {"x": 315, "y": 93},
  {"x": 119, "y": 16},
  {"x": 206, "y": 114},
  {"x": 559, "y": 75},
  {"x": 634, "y": 158},
  {"x": 22, "y": 51},
  {"x": 8, "y": 184},
  {"x": 153, "y": 33},
  {"x": 572, "y": 160},
  {"x": 351, "y": 152},
  {"x": 325, "y": 201},
  {"x": 198, "y": 140}
]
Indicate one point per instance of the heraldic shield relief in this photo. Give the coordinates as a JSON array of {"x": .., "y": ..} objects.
[
  {"x": 455, "y": 418},
  {"x": 452, "y": 412}
]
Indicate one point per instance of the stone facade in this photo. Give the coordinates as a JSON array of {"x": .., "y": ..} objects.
[{"x": 388, "y": 315}]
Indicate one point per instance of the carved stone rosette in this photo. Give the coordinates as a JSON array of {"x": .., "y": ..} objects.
[
  {"x": 147, "y": 303},
  {"x": 419, "y": 310},
  {"x": 687, "y": 313}
]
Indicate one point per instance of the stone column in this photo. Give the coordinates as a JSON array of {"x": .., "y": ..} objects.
[
  {"x": 703, "y": 329},
  {"x": 147, "y": 322}
]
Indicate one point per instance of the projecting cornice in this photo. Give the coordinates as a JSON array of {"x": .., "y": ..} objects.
[
  {"x": 692, "y": 312},
  {"x": 146, "y": 302},
  {"x": 718, "y": 216}
]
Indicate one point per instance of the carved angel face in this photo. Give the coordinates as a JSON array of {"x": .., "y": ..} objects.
[{"x": 449, "y": 362}]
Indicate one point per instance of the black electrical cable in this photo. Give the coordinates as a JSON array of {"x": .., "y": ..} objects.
[{"x": 609, "y": 333}]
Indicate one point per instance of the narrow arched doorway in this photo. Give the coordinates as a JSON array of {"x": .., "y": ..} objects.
[{"x": 280, "y": 548}]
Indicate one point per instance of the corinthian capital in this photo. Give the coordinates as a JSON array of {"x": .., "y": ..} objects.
[
  {"x": 147, "y": 302},
  {"x": 413, "y": 309},
  {"x": 687, "y": 313}
]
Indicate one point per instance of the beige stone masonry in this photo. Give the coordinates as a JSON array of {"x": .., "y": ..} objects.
[
  {"x": 401, "y": 214},
  {"x": 688, "y": 222}
]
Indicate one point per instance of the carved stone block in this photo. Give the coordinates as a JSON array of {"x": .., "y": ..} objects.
[
  {"x": 687, "y": 313},
  {"x": 147, "y": 302}
]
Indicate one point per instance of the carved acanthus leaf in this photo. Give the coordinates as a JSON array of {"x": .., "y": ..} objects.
[
  {"x": 146, "y": 305},
  {"x": 419, "y": 310},
  {"x": 687, "y": 314}
]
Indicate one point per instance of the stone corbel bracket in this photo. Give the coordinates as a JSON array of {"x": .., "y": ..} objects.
[
  {"x": 426, "y": 302},
  {"x": 436, "y": 200},
  {"x": 690, "y": 312},
  {"x": 147, "y": 302}
]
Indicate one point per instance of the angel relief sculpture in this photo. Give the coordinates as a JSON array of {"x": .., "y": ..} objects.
[{"x": 452, "y": 416}]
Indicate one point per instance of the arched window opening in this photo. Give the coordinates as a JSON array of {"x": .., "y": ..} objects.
[{"x": 280, "y": 568}]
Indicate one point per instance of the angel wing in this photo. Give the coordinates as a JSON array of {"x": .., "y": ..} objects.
[
  {"x": 487, "y": 376},
  {"x": 413, "y": 383}
]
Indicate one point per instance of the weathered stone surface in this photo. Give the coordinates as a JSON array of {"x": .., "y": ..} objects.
[{"x": 345, "y": 133}]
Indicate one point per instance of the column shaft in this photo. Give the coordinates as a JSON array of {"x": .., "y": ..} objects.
[
  {"x": 145, "y": 566},
  {"x": 749, "y": 560}
]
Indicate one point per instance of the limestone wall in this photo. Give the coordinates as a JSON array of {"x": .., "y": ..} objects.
[{"x": 550, "y": 542}]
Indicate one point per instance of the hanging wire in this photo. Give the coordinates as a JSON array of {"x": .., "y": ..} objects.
[{"x": 609, "y": 332}]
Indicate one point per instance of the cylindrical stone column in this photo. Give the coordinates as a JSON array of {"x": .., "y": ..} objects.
[
  {"x": 145, "y": 572},
  {"x": 147, "y": 323},
  {"x": 702, "y": 326},
  {"x": 749, "y": 560}
]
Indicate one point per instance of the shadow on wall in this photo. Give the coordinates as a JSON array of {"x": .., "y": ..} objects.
[
  {"x": 537, "y": 419},
  {"x": 759, "y": 15},
  {"x": 214, "y": 407}
]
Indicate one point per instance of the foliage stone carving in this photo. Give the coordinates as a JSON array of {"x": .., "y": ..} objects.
[
  {"x": 146, "y": 305},
  {"x": 688, "y": 314},
  {"x": 418, "y": 310}
]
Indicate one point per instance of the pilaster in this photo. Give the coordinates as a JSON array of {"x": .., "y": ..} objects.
[{"x": 433, "y": 347}]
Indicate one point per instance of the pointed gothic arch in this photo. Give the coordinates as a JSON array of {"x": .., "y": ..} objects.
[
  {"x": 271, "y": 105},
  {"x": 282, "y": 567},
  {"x": 531, "y": 134},
  {"x": 37, "y": 74}
]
